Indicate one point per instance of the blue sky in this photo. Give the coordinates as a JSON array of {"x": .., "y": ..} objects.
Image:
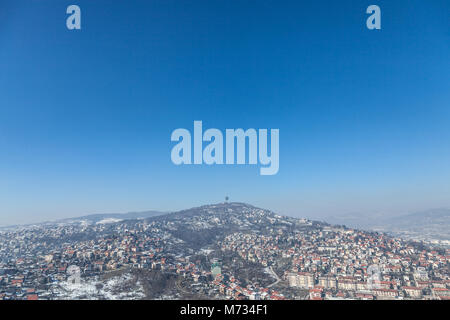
[{"x": 86, "y": 116}]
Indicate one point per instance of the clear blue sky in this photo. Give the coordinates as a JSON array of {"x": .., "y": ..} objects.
[{"x": 86, "y": 116}]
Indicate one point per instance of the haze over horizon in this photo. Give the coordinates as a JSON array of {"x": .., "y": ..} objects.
[
  {"x": 86, "y": 116},
  {"x": 333, "y": 216}
]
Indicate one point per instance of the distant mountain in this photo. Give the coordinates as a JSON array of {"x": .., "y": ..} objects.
[
  {"x": 432, "y": 216},
  {"x": 430, "y": 225},
  {"x": 354, "y": 220},
  {"x": 95, "y": 219},
  {"x": 113, "y": 217}
]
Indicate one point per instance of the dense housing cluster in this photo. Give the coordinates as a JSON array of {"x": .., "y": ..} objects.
[{"x": 224, "y": 251}]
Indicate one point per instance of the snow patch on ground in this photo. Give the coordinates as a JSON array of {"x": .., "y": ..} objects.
[
  {"x": 116, "y": 288},
  {"x": 109, "y": 220}
]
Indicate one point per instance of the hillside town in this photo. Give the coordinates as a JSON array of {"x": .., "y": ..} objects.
[{"x": 224, "y": 251}]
